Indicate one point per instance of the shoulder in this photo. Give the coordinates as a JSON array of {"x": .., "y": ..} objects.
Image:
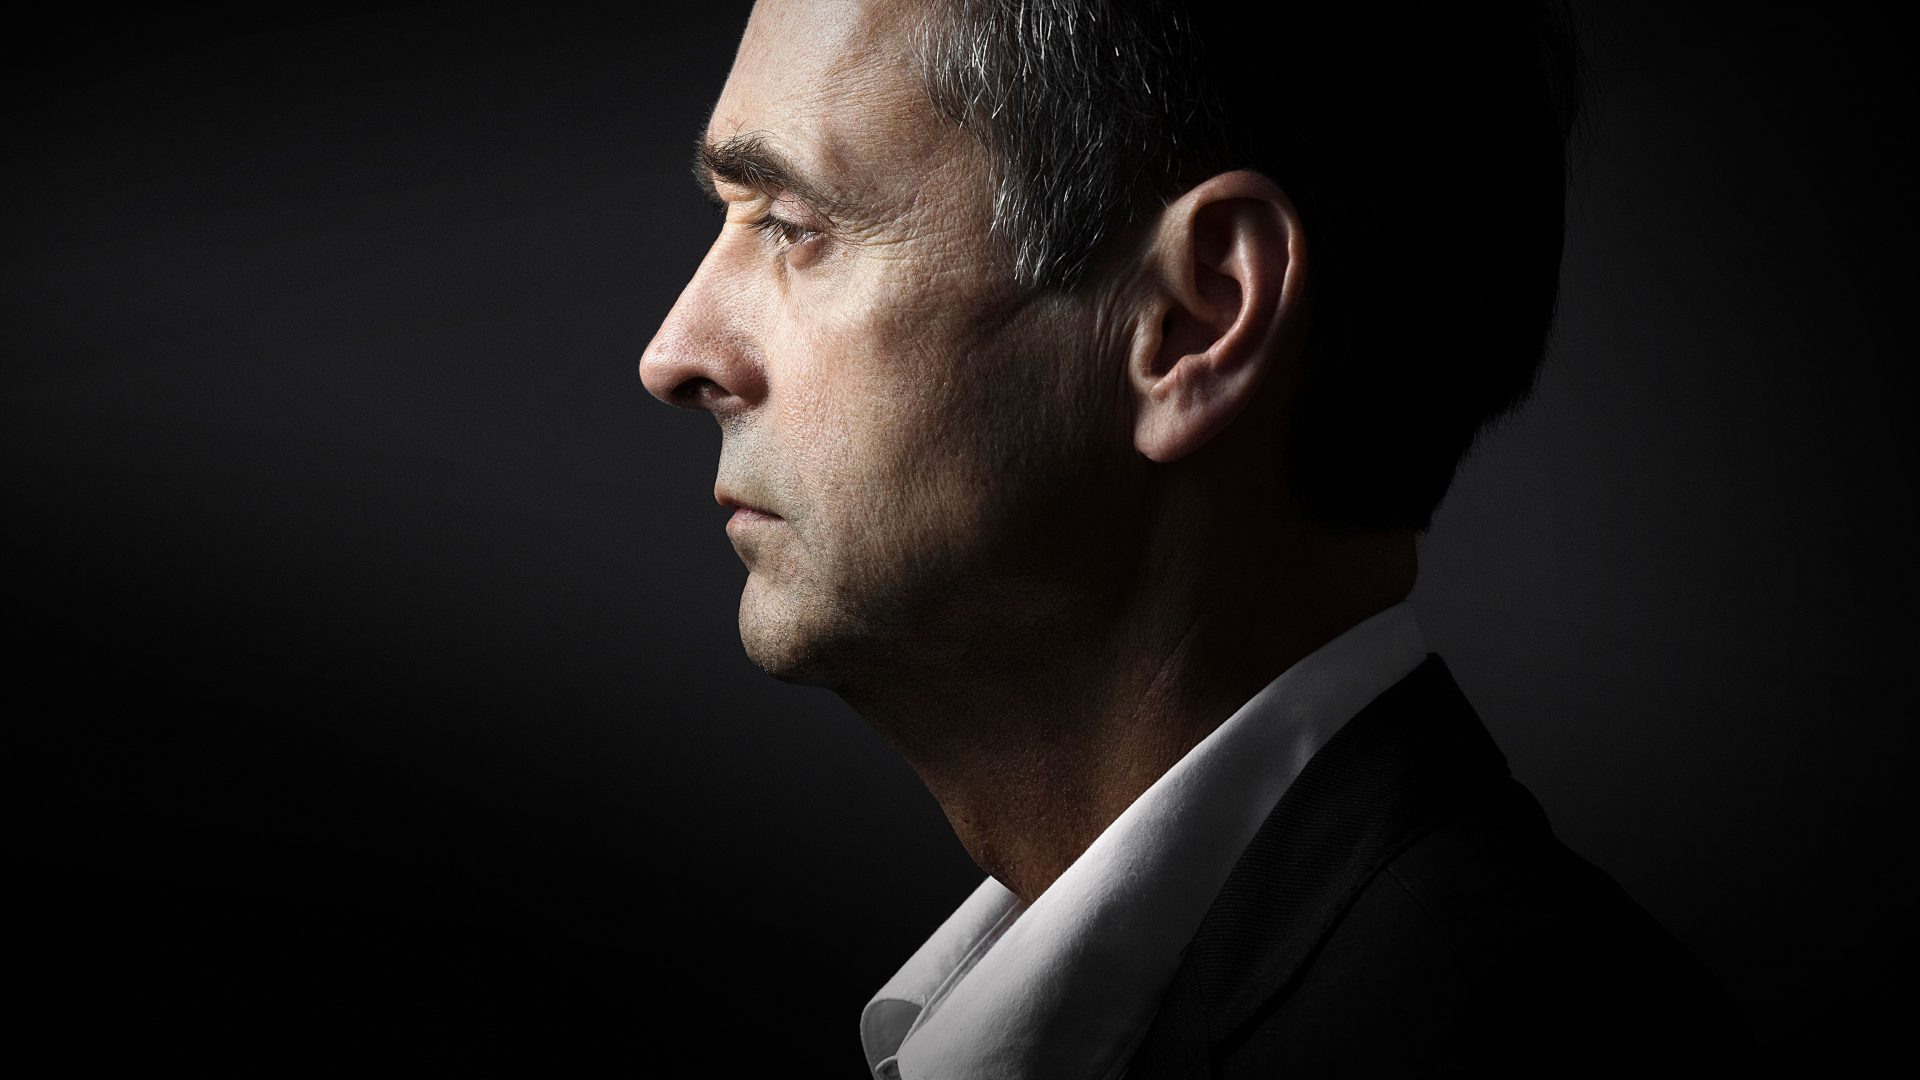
[
  {"x": 1484, "y": 944},
  {"x": 1405, "y": 910}
]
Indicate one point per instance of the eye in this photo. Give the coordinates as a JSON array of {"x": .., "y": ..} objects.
[{"x": 783, "y": 234}]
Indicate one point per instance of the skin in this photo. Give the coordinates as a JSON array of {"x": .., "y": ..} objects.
[{"x": 1042, "y": 543}]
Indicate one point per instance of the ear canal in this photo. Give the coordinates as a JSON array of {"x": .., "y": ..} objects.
[{"x": 1181, "y": 336}]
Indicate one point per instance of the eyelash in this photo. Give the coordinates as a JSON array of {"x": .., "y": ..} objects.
[{"x": 785, "y": 232}]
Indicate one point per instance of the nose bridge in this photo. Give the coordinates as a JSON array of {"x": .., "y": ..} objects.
[{"x": 699, "y": 357}]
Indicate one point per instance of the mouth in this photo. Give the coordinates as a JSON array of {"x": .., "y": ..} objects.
[{"x": 744, "y": 513}]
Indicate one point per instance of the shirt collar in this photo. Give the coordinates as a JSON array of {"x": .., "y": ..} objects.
[{"x": 1064, "y": 988}]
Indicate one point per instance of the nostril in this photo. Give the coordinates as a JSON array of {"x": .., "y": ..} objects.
[
  {"x": 698, "y": 393},
  {"x": 705, "y": 372},
  {"x": 675, "y": 382}
]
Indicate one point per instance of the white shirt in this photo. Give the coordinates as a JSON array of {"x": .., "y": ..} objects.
[{"x": 1065, "y": 988}]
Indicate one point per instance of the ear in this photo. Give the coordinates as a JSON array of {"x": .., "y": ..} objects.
[{"x": 1224, "y": 306}]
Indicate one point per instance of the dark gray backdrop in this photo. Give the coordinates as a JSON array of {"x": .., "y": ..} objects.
[{"x": 375, "y": 691}]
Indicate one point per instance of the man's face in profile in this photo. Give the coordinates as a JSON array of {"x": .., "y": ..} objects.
[{"x": 910, "y": 431}]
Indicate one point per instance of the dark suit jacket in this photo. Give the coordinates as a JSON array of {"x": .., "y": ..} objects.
[{"x": 1405, "y": 910}]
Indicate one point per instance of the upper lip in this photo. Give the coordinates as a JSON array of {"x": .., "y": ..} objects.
[{"x": 727, "y": 498}]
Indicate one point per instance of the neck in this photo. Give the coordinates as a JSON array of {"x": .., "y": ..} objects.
[{"x": 1035, "y": 735}]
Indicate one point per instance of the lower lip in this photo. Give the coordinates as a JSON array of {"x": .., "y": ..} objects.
[{"x": 743, "y": 516}]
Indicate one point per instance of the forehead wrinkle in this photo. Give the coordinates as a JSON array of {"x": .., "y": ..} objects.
[
  {"x": 765, "y": 153},
  {"x": 825, "y": 91},
  {"x": 873, "y": 78},
  {"x": 828, "y": 110}
]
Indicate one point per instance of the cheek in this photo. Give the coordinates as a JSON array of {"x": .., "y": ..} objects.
[
  {"x": 871, "y": 374},
  {"x": 886, "y": 477},
  {"x": 889, "y": 396},
  {"x": 835, "y": 434}
]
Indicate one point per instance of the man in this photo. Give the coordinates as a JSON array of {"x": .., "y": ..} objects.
[{"x": 1085, "y": 372}]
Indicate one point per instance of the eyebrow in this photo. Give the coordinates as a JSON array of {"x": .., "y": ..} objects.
[{"x": 748, "y": 161}]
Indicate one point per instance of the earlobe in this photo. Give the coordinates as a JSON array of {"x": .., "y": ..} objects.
[{"x": 1222, "y": 308}]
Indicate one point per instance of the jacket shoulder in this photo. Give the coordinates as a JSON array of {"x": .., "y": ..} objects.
[
  {"x": 1486, "y": 945},
  {"x": 1405, "y": 910}
]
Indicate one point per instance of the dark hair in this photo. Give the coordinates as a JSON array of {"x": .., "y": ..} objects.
[{"x": 1424, "y": 145}]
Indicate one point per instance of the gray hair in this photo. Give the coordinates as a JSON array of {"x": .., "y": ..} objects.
[
  {"x": 1424, "y": 146},
  {"x": 1090, "y": 113}
]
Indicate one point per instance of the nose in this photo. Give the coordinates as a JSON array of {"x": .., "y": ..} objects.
[{"x": 702, "y": 356}]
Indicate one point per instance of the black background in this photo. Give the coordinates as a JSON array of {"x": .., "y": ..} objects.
[{"x": 374, "y": 691}]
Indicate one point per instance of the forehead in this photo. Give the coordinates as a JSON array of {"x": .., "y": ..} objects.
[
  {"x": 830, "y": 84},
  {"x": 818, "y": 52}
]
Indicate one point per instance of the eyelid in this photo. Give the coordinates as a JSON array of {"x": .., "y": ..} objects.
[
  {"x": 759, "y": 211},
  {"x": 791, "y": 233},
  {"x": 726, "y": 195}
]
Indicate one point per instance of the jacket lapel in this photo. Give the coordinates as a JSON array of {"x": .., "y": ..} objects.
[{"x": 1413, "y": 757}]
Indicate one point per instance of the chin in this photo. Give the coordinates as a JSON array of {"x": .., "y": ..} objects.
[{"x": 782, "y": 643}]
